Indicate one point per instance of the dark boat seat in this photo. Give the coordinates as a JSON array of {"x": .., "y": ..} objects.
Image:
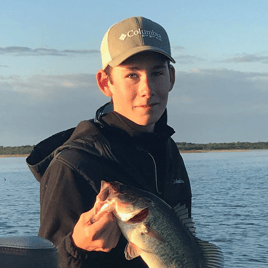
[{"x": 27, "y": 252}]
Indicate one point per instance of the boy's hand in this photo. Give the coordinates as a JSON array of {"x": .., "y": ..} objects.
[{"x": 101, "y": 235}]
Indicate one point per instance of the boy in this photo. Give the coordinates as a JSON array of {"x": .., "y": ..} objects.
[{"x": 128, "y": 141}]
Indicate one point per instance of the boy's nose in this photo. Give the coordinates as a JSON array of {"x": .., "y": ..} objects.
[{"x": 147, "y": 90}]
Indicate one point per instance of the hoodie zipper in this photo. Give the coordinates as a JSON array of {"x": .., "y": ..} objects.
[{"x": 155, "y": 168}]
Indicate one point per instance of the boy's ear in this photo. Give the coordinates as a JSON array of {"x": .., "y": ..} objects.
[
  {"x": 103, "y": 83},
  {"x": 172, "y": 76}
]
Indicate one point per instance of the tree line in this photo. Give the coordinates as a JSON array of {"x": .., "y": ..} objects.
[
  {"x": 183, "y": 146},
  {"x": 19, "y": 150}
]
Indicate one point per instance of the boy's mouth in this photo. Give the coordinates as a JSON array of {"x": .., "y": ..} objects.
[{"x": 146, "y": 105}]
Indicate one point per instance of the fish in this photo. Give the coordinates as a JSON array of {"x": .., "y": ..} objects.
[{"x": 164, "y": 237}]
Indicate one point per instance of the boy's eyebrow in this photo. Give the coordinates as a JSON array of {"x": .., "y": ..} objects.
[
  {"x": 136, "y": 68},
  {"x": 160, "y": 66}
]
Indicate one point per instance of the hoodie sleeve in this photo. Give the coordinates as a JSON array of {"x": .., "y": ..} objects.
[{"x": 64, "y": 195}]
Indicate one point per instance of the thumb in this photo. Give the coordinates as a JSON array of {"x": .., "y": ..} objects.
[{"x": 102, "y": 208}]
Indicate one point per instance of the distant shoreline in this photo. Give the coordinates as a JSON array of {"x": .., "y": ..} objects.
[
  {"x": 181, "y": 151},
  {"x": 13, "y": 155},
  {"x": 216, "y": 151},
  {"x": 184, "y": 147}
]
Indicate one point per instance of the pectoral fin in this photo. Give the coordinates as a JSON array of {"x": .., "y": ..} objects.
[{"x": 131, "y": 251}]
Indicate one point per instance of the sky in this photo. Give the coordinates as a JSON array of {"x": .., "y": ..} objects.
[{"x": 50, "y": 53}]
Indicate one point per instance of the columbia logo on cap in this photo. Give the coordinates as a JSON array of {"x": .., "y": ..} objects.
[
  {"x": 144, "y": 33},
  {"x": 122, "y": 37}
]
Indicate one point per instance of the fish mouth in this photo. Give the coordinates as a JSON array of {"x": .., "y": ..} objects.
[
  {"x": 130, "y": 207},
  {"x": 140, "y": 217},
  {"x": 132, "y": 217}
]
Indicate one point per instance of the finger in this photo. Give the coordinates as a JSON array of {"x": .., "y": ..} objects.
[
  {"x": 114, "y": 238},
  {"x": 104, "y": 226},
  {"x": 107, "y": 241},
  {"x": 98, "y": 205},
  {"x": 104, "y": 209},
  {"x": 99, "y": 249},
  {"x": 98, "y": 216},
  {"x": 91, "y": 216},
  {"x": 85, "y": 217}
]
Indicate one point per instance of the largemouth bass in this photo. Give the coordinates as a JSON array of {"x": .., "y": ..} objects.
[{"x": 161, "y": 235}]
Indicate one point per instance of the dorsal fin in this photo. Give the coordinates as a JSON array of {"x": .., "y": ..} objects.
[
  {"x": 212, "y": 254},
  {"x": 182, "y": 213}
]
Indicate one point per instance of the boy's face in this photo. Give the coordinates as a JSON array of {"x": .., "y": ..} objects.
[{"x": 140, "y": 88}]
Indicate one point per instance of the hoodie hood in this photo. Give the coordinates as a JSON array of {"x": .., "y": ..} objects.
[{"x": 83, "y": 137}]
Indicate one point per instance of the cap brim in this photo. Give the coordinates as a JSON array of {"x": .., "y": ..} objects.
[{"x": 124, "y": 56}]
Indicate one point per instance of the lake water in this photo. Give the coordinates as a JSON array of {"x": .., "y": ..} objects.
[{"x": 229, "y": 202}]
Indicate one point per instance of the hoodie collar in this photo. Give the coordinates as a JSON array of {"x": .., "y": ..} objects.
[{"x": 119, "y": 124}]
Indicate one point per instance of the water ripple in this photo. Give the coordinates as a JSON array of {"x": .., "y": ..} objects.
[{"x": 229, "y": 197}]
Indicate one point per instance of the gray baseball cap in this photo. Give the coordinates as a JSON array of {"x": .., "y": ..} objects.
[{"x": 131, "y": 36}]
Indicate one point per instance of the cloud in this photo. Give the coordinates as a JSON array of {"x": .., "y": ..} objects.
[
  {"x": 219, "y": 105},
  {"x": 36, "y": 107},
  {"x": 177, "y": 48},
  {"x": 205, "y": 105},
  {"x": 217, "y": 91},
  {"x": 248, "y": 58},
  {"x": 26, "y": 51},
  {"x": 180, "y": 57},
  {"x": 187, "y": 59},
  {"x": 45, "y": 87}
]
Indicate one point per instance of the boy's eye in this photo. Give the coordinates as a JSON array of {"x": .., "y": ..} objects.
[
  {"x": 132, "y": 76},
  {"x": 157, "y": 73}
]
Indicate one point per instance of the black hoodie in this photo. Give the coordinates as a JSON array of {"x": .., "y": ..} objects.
[{"x": 71, "y": 164}]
